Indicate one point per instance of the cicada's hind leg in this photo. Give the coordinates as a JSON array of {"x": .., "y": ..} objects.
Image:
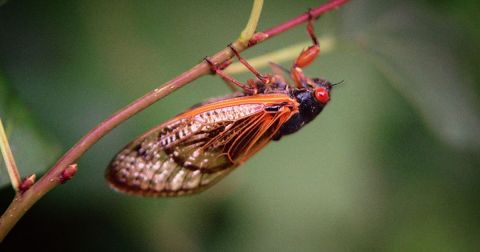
[
  {"x": 230, "y": 85},
  {"x": 265, "y": 79},
  {"x": 231, "y": 82},
  {"x": 306, "y": 57}
]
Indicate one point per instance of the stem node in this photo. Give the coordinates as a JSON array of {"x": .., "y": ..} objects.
[
  {"x": 27, "y": 183},
  {"x": 68, "y": 173}
]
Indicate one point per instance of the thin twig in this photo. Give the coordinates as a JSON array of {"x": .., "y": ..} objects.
[
  {"x": 9, "y": 159},
  {"x": 315, "y": 12},
  {"x": 251, "y": 26},
  {"x": 22, "y": 202}
]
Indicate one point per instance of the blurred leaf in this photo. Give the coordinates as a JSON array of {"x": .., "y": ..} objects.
[
  {"x": 32, "y": 150},
  {"x": 412, "y": 50}
]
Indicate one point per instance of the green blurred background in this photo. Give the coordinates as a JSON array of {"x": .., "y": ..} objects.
[{"x": 392, "y": 164}]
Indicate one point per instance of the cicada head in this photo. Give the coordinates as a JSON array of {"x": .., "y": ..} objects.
[
  {"x": 321, "y": 90},
  {"x": 312, "y": 99}
]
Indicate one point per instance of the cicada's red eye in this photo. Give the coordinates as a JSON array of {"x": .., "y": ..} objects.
[{"x": 322, "y": 95}]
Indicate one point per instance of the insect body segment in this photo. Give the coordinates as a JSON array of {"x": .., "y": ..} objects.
[{"x": 197, "y": 148}]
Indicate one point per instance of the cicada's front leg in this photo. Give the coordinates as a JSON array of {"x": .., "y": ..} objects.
[{"x": 306, "y": 57}]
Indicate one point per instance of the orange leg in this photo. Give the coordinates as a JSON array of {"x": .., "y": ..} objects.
[
  {"x": 265, "y": 79},
  {"x": 230, "y": 85},
  {"x": 306, "y": 57},
  {"x": 247, "y": 88}
]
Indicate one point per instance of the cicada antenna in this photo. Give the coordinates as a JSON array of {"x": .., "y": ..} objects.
[{"x": 338, "y": 83}]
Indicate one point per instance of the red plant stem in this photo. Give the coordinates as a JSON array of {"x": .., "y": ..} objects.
[
  {"x": 315, "y": 12},
  {"x": 22, "y": 202}
]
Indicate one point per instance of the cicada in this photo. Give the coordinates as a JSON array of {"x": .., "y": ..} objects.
[{"x": 197, "y": 148}]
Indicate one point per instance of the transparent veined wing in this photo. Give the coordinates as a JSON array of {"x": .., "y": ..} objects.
[{"x": 196, "y": 149}]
